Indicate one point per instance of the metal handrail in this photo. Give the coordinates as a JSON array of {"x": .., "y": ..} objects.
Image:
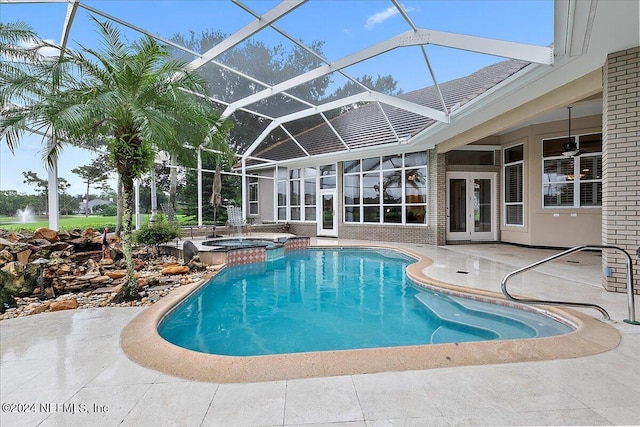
[{"x": 630, "y": 292}]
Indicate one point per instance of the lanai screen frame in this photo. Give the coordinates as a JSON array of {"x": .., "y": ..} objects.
[{"x": 414, "y": 36}]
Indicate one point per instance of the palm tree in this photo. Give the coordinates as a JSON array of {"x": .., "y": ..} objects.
[{"x": 133, "y": 96}]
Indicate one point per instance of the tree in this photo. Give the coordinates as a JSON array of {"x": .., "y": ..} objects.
[
  {"x": 270, "y": 65},
  {"x": 11, "y": 201},
  {"x": 96, "y": 172},
  {"x": 133, "y": 96},
  {"x": 42, "y": 187},
  {"x": 383, "y": 84}
]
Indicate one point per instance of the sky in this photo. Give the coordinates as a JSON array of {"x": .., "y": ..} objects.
[{"x": 345, "y": 26}]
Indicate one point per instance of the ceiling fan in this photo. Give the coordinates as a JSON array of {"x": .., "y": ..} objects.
[{"x": 570, "y": 148}]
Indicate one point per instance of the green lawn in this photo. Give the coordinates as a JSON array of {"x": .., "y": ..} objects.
[
  {"x": 70, "y": 222},
  {"x": 66, "y": 222}
]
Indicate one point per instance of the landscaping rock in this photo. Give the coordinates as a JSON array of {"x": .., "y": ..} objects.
[
  {"x": 75, "y": 272},
  {"x": 171, "y": 270},
  {"x": 42, "y": 243},
  {"x": 4, "y": 243},
  {"x": 189, "y": 250},
  {"x": 69, "y": 304},
  {"x": 100, "y": 279},
  {"x": 117, "y": 274},
  {"x": 14, "y": 269},
  {"x": 23, "y": 257},
  {"x": 46, "y": 233}
]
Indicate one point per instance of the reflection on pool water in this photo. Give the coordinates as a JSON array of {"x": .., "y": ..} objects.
[{"x": 334, "y": 299}]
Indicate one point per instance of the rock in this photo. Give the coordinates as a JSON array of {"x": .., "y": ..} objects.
[
  {"x": 4, "y": 243},
  {"x": 80, "y": 241},
  {"x": 69, "y": 304},
  {"x": 87, "y": 277},
  {"x": 100, "y": 279},
  {"x": 189, "y": 250},
  {"x": 60, "y": 246},
  {"x": 23, "y": 256},
  {"x": 117, "y": 274},
  {"x": 14, "y": 269},
  {"x": 104, "y": 290},
  {"x": 41, "y": 308},
  {"x": 106, "y": 261},
  {"x": 6, "y": 255},
  {"x": 43, "y": 243},
  {"x": 63, "y": 269},
  {"x": 18, "y": 247},
  {"x": 174, "y": 269},
  {"x": 59, "y": 255},
  {"x": 46, "y": 233},
  {"x": 91, "y": 266}
]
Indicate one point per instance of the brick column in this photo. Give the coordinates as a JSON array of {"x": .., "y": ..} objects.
[
  {"x": 621, "y": 163},
  {"x": 437, "y": 196}
]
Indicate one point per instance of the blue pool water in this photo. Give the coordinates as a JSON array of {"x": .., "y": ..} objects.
[{"x": 334, "y": 299}]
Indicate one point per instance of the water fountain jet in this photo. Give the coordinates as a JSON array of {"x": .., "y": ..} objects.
[{"x": 25, "y": 215}]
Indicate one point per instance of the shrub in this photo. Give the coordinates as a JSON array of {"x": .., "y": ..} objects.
[
  {"x": 109, "y": 210},
  {"x": 6, "y": 296},
  {"x": 162, "y": 231}
]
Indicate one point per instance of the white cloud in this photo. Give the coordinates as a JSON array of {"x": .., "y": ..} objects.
[
  {"x": 380, "y": 17},
  {"x": 47, "y": 51}
]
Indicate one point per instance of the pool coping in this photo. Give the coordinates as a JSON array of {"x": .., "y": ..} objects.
[{"x": 141, "y": 343}]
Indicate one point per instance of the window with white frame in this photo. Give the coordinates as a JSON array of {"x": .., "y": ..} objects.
[
  {"x": 572, "y": 181},
  {"x": 310, "y": 176},
  {"x": 389, "y": 189},
  {"x": 295, "y": 201},
  {"x": 283, "y": 182},
  {"x": 253, "y": 195},
  {"x": 297, "y": 194},
  {"x": 513, "y": 159}
]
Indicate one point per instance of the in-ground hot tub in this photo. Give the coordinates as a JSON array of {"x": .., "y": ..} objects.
[
  {"x": 241, "y": 243},
  {"x": 244, "y": 251}
]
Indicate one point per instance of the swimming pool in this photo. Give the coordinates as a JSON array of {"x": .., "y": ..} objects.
[{"x": 335, "y": 299}]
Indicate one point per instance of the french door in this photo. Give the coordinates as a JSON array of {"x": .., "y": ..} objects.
[
  {"x": 471, "y": 206},
  {"x": 328, "y": 221}
]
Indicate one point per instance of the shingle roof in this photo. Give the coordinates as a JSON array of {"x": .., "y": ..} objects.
[{"x": 366, "y": 125}]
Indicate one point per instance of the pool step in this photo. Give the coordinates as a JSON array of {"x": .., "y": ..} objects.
[{"x": 479, "y": 319}]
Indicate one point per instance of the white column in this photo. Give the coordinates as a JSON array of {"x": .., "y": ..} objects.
[
  {"x": 154, "y": 199},
  {"x": 245, "y": 199},
  {"x": 199, "y": 188},
  {"x": 53, "y": 197},
  {"x": 275, "y": 194},
  {"x": 136, "y": 203},
  {"x": 52, "y": 190}
]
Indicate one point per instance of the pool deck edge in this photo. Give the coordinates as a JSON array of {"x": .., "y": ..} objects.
[{"x": 141, "y": 343}]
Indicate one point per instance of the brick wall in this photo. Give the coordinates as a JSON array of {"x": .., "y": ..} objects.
[
  {"x": 389, "y": 233},
  {"x": 621, "y": 162}
]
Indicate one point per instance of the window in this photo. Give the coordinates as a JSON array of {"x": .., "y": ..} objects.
[
  {"x": 282, "y": 194},
  {"x": 388, "y": 189},
  {"x": 297, "y": 194},
  {"x": 466, "y": 157},
  {"x": 513, "y": 185},
  {"x": 253, "y": 196},
  {"x": 310, "y": 194},
  {"x": 572, "y": 181}
]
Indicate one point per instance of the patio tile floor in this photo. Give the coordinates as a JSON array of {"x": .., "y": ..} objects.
[{"x": 67, "y": 368}]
